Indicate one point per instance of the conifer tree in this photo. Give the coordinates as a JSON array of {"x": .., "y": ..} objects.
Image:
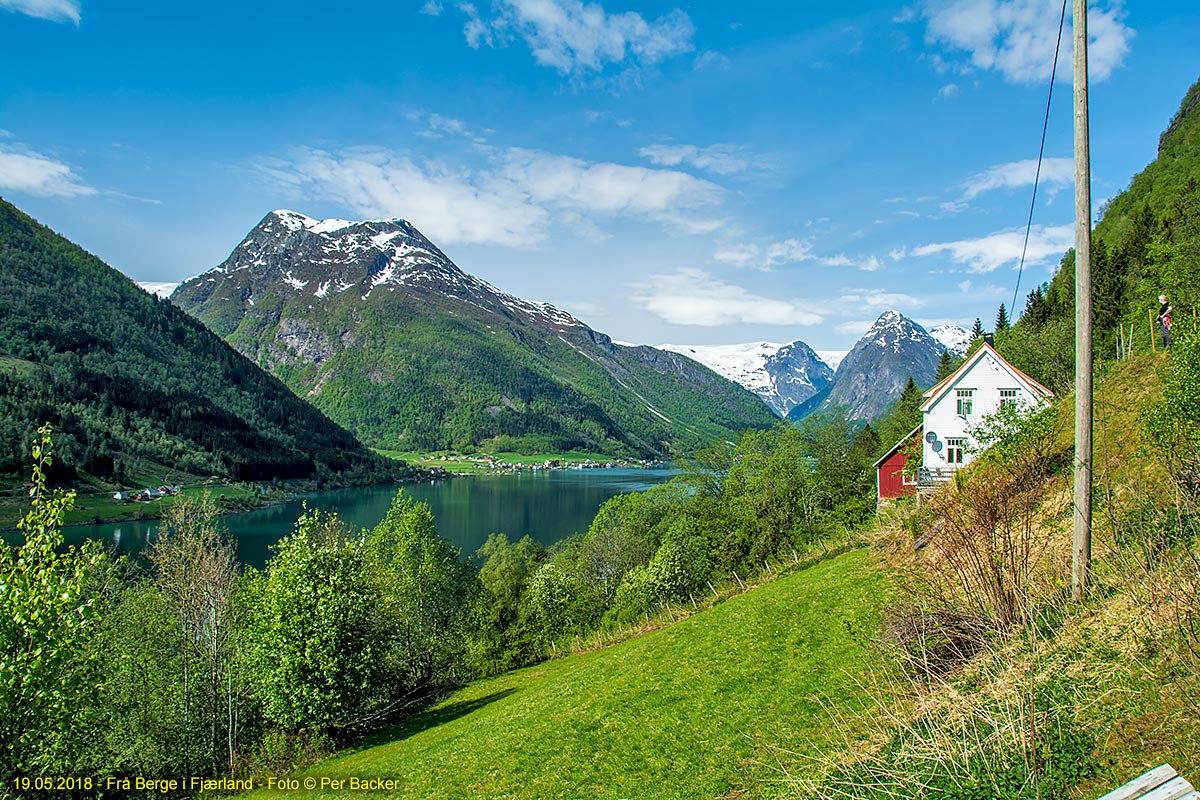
[
  {"x": 946, "y": 365},
  {"x": 977, "y": 331},
  {"x": 1002, "y": 319}
]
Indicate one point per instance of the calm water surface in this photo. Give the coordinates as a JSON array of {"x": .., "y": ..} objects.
[{"x": 548, "y": 506}]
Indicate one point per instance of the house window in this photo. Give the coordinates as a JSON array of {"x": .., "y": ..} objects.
[
  {"x": 954, "y": 449},
  {"x": 966, "y": 402},
  {"x": 1008, "y": 397}
]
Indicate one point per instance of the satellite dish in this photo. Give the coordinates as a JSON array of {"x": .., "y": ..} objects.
[
  {"x": 931, "y": 437},
  {"x": 937, "y": 447}
]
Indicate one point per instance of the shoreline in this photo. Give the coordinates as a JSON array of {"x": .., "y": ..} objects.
[{"x": 152, "y": 511}]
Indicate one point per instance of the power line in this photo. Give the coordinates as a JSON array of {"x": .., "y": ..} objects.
[{"x": 1041, "y": 152}]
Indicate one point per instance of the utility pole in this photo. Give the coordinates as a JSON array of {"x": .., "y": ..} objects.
[{"x": 1081, "y": 551}]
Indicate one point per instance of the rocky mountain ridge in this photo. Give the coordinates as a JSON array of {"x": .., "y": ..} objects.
[{"x": 378, "y": 327}]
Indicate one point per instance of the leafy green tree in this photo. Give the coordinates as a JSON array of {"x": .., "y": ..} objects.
[
  {"x": 427, "y": 590},
  {"x": 318, "y": 643},
  {"x": 197, "y": 575},
  {"x": 50, "y": 683},
  {"x": 147, "y": 731},
  {"x": 1174, "y": 426},
  {"x": 504, "y": 637}
]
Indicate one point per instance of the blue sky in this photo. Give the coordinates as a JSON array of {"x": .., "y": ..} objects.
[{"x": 695, "y": 172}]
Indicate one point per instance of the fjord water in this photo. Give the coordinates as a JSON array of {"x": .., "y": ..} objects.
[{"x": 548, "y": 505}]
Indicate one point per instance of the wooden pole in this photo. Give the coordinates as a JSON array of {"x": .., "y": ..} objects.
[{"x": 1081, "y": 562}]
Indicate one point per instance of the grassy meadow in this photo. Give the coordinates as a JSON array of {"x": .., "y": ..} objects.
[{"x": 712, "y": 706}]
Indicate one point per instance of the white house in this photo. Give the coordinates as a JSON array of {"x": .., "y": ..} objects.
[{"x": 979, "y": 387}]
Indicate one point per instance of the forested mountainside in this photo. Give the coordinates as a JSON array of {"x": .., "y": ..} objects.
[
  {"x": 374, "y": 325},
  {"x": 1147, "y": 243},
  {"x": 129, "y": 381}
]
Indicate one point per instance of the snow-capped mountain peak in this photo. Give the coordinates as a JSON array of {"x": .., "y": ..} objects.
[
  {"x": 895, "y": 331},
  {"x": 783, "y": 375},
  {"x": 955, "y": 337}
]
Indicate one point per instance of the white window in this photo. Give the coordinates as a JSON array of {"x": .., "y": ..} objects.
[
  {"x": 966, "y": 402},
  {"x": 1009, "y": 397},
  {"x": 954, "y": 450}
]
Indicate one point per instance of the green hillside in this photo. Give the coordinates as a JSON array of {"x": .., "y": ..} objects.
[
  {"x": 133, "y": 385},
  {"x": 711, "y": 706}
]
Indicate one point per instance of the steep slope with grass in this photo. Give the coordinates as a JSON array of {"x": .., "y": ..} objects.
[
  {"x": 1002, "y": 686},
  {"x": 712, "y": 706}
]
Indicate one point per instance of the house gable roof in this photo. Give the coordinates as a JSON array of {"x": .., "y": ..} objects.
[
  {"x": 933, "y": 395},
  {"x": 903, "y": 440}
]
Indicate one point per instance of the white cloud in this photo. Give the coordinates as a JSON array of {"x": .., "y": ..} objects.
[
  {"x": 433, "y": 8},
  {"x": 880, "y": 299},
  {"x": 512, "y": 201},
  {"x": 1017, "y": 37},
  {"x": 693, "y": 297},
  {"x": 574, "y": 37},
  {"x": 857, "y": 327},
  {"x": 53, "y": 10},
  {"x": 948, "y": 91},
  {"x": 765, "y": 256},
  {"x": 475, "y": 30},
  {"x": 995, "y": 250},
  {"x": 867, "y": 264},
  {"x": 723, "y": 159},
  {"x": 38, "y": 175},
  {"x": 1056, "y": 174},
  {"x": 711, "y": 59},
  {"x": 964, "y": 286}
]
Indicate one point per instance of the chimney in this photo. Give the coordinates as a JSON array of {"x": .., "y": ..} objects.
[{"x": 989, "y": 340}]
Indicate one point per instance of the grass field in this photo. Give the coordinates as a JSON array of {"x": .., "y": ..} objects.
[{"x": 708, "y": 707}]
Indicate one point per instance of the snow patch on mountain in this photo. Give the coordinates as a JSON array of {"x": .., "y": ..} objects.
[
  {"x": 783, "y": 375},
  {"x": 740, "y": 363},
  {"x": 955, "y": 338}
]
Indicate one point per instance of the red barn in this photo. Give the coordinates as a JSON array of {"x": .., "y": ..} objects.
[{"x": 890, "y": 481}]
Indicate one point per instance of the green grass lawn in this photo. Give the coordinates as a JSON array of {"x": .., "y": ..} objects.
[{"x": 707, "y": 707}]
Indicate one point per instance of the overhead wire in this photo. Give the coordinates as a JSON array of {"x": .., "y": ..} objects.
[{"x": 1041, "y": 153}]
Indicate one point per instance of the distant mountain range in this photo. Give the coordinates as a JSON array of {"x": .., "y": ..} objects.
[
  {"x": 795, "y": 380},
  {"x": 783, "y": 375},
  {"x": 374, "y": 325},
  {"x": 135, "y": 387}
]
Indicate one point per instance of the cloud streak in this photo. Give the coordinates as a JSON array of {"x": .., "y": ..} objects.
[
  {"x": 38, "y": 175},
  {"x": 694, "y": 297},
  {"x": 512, "y": 201},
  {"x": 723, "y": 159},
  {"x": 1057, "y": 173},
  {"x": 989, "y": 253},
  {"x": 53, "y": 10}
]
